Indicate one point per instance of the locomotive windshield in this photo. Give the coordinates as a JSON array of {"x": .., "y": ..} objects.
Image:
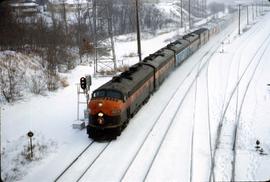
[
  {"x": 114, "y": 94},
  {"x": 107, "y": 93}
]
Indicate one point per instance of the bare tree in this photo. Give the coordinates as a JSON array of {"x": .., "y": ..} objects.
[
  {"x": 11, "y": 78},
  {"x": 37, "y": 83},
  {"x": 52, "y": 77},
  {"x": 79, "y": 26},
  {"x": 64, "y": 16}
]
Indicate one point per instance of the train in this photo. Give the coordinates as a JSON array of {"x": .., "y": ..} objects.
[{"x": 113, "y": 104}]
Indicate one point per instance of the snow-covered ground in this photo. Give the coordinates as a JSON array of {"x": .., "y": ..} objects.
[{"x": 194, "y": 97}]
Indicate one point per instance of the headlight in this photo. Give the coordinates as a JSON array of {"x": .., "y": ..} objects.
[
  {"x": 100, "y": 104},
  {"x": 100, "y": 114}
]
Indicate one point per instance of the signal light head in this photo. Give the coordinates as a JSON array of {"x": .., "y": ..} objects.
[{"x": 83, "y": 83}]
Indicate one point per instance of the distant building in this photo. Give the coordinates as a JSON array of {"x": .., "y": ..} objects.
[
  {"x": 25, "y": 7},
  {"x": 70, "y": 5}
]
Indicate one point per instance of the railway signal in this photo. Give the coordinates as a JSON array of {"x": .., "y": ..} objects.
[
  {"x": 83, "y": 83},
  {"x": 88, "y": 81},
  {"x": 257, "y": 147},
  {"x": 30, "y": 134}
]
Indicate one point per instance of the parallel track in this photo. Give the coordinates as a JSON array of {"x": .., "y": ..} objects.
[
  {"x": 88, "y": 147},
  {"x": 91, "y": 164},
  {"x": 205, "y": 64},
  {"x": 215, "y": 48},
  {"x": 241, "y": 107},
  {"x": 236, "y": 56},
  {"x": 68, "y": 167},
  {"x": 226, "y": 106}
]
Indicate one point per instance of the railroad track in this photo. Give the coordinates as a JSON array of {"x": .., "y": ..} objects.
[
  {"x": 234, "y": 92},
  {"x": 67, "y": 172},
  {"x": 95, "y": 159},
  {"x": 104, "y": 147},
  {"x": 73, "y": 161},
  {"x": 235, "y": 57},
  {"x": 92, "y": 152},
  {"x": 209, "y": 53},
  {"x": 241, "y": 107}
]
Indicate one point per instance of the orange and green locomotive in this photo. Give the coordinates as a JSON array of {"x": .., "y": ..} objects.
[{"x": 113, "y": 104}]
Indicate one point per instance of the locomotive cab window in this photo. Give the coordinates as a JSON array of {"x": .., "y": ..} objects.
[
  {"x": 99, "y": 93},
  {"x": 114, "y": 94},
  {"x": 107, "y": 93}
]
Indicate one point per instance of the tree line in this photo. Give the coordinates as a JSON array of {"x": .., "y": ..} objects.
[
  {"x": 55, "y": 38},
  {"x": 59, "y": 36}
]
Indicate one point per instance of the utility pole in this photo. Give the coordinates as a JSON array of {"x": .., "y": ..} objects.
[
  {"x": 252, "y": 11},
  {"x": 256, "y": 9},
  {"x": 261, "y": 6},
  {"x": 247, "y": 16},
  {"x": 95, "y": 34},
  {"x": 181, "y": 13},
  {"x": 202, "y": 7},
  {"x": 138, "y": 31},
  {"x": 110, "y": 31},
  {"x": 206, "y": 9},
  {"x": 0, "y": 130},
  {"x": 239, "y": 16},
  {"x": 189, "y": 14}
]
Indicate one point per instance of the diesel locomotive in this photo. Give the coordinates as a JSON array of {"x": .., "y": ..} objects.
[{"x": 113, "y": 104}]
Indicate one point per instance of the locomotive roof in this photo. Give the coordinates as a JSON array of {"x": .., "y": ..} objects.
[
  {"x": 200, "y": 31},
  {"x": 159, "y": 58},
  {"x": 128, "y": 81},
  {"x": 178, "y": 45},
  {"x": 191, "y": 37}
]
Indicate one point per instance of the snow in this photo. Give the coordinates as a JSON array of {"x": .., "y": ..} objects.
[
  {"x": 246, "y": 47},
  {"x": 191, "y": 103}
]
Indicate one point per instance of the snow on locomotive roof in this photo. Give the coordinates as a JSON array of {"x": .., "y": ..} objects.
[
  {"x": 191, "y": 37},
  {"x": 178, "y": 45},
  {"x": 129, "y": 81},
  {"x": 201, "y": 30},
  {"x": 158, "y": 59}
]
